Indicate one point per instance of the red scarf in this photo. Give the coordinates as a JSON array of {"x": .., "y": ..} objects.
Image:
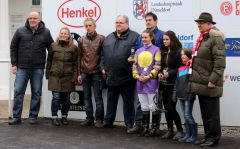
[{"x": 196, "y": 48}]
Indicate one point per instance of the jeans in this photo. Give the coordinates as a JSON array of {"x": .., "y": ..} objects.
[
  {"x": 23, "y": 75},
  {"x": 89, "y": 81},
  {"x": 210, "y": 110},
  {"x": 62, "y": 98},
  {"x": 187, "y": 107},
  {"x": 127, "y": 90}
]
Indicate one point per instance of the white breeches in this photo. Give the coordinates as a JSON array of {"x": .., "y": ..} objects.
[{"x": 147, "y": 103}]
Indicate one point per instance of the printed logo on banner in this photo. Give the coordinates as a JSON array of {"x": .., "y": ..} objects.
[
  {"x": 77, "y": 101},
  {"x": 139, "y": 8},
  {"x": 73, "y": 12},
  {"x": 226, "y": 8},
  {"x": 232, "y": 46},
  {"x": 231, "y": 79},
  {"x": 186, "y": 40}
]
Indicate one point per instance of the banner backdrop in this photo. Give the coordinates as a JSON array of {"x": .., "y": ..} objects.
[{"x": 176, "y": 15}]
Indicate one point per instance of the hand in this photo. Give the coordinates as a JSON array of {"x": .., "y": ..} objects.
[
  {"x": 104, "y": 74},
  {"x": 131, "y": 59},
  {"x": 79, "y": 79},
  {"x": 143, "y": 79},
  {"x": 161, "y": 77},
  {"x": 211, "y": 85},
  {"x": 14, "y": 70},
  {"x": 165, "y": 73}
]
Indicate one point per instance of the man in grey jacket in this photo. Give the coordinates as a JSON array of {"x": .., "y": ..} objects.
[
  {"x": 206, "y": 79},
  {"x": 114, "y": 64},
  {"x": 28, "y": 58}
]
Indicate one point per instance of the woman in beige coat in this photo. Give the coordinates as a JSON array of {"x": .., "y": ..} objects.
[{"x": 61, "y": 72}]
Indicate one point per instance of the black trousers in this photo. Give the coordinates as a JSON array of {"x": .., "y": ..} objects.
[
  {"x": 210, "y": 110},
  {"x": 169, "y": 105}
]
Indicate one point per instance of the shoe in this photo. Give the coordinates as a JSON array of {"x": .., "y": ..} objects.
[
  {"x": 15, "y": 122},
  {"x": 198, "y": 142},
  {"x": 178, "y": 135},
  {"x": 64, "y": 121},
  {"x": 154, "y": 132},
  {"x": 168, "y": 135},
  {"x": 55, "y": 122},
  {"x": 107, "y": 125},
  {"x": 135, "y": 129},
  {"x": 99, "y": 124},
  {"x": 128, "y": 127},
  {"x": 87, "y": 122},
  {"x": 208, "y": 144},
  {"x": 32, "y": 121},
  {"x": 145, "y": 132}
]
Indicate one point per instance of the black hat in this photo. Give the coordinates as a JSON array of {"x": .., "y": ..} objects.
[{"x": 205, "y": 17}]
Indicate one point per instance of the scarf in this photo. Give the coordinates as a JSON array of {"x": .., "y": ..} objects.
[{"x": 196, "y": 48}]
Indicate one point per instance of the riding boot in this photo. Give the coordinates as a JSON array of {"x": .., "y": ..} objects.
[
  {"x": 146, "y": 119},
  {"x": 155, "y": 126}
]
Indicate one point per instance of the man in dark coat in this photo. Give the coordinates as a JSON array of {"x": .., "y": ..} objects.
[
  {"x": 28, "y": 58},
  {"x": 206, "y": 79},
  {"x": 114, "y": 64}
]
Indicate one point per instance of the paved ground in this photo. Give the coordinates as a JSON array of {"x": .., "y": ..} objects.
[{"x": 45, "y": 136}]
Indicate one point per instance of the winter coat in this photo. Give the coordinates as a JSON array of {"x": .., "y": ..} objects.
[
  {"x": 61, "y": 70},
  {"x": 181, "y": 85},
  {"x": 208, "y": 65},
  {"x": 28, "y": 47},
  {"x": 116, "y": 51},
  {"x": 90, "y": 47}
]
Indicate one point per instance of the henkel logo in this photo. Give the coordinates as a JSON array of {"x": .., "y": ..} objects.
[
  {"x": 73, "y": 12},
  {"x": 226, "y": 8}
]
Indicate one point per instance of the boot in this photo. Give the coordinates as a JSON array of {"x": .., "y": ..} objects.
[
  {"x": 168, "y": 134},
  {"x": 178, "y": 135},
  {"x": 187, "y": 133},
  {"x": 146, "y": 119},
  {"x": 136, "y": 129},
  {"x": 193, "y": 130},
  {"x": 155, "y": 126}
]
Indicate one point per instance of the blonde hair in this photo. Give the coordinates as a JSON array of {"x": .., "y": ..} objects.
[{"x": 70, "y": 37}]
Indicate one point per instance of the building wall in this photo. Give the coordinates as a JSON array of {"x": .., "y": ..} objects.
[{"x": 17, "y": 14}]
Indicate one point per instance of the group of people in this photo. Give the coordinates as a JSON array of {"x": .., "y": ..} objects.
[{"x": 154, "y": 65}]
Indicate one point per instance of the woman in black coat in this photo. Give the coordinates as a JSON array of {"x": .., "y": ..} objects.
[{"x": 171, "y": 61}]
